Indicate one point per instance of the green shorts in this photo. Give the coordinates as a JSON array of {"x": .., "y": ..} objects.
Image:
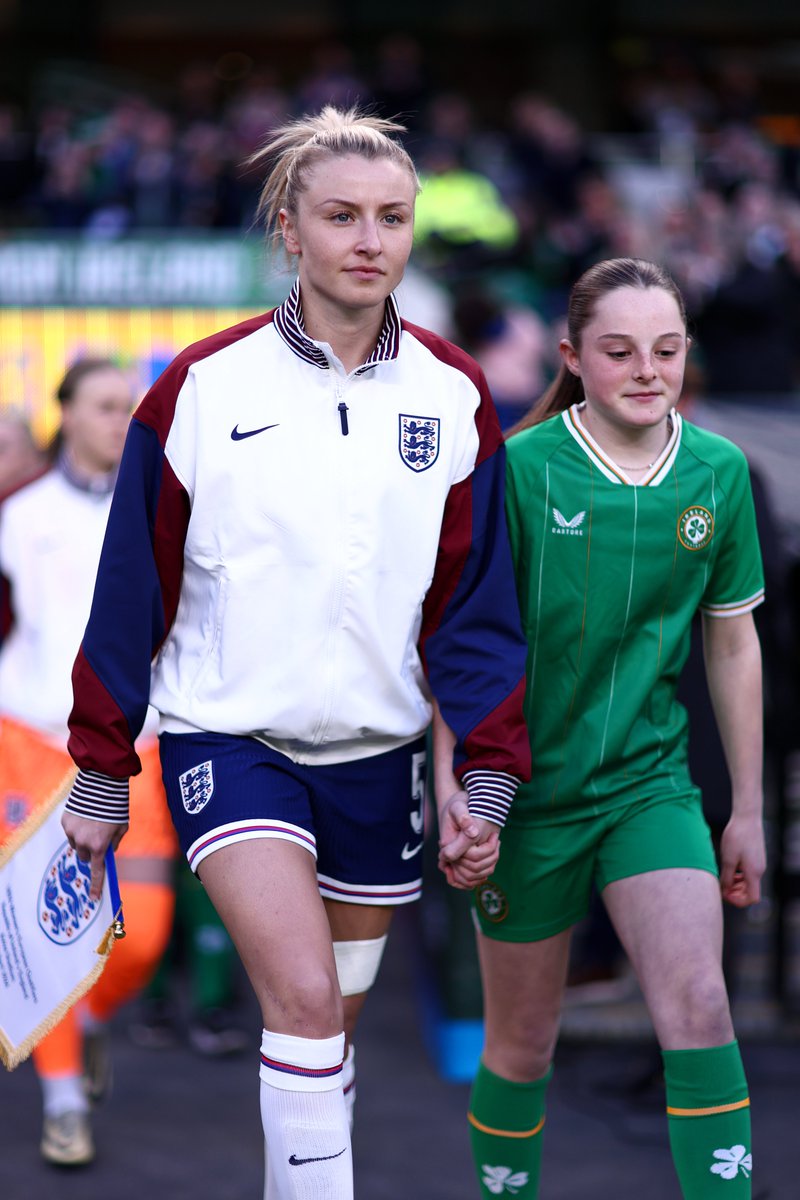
[{"x": 543, "y": 881}]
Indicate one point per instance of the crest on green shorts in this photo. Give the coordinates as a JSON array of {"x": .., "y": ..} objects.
[{"x": 492, "y": 901}]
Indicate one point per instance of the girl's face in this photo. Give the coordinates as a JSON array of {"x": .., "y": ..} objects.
[
  {"x": 95, "y": 421},
  {"x": 631, "y": 358},
  {"x": 352, "y": 231}
]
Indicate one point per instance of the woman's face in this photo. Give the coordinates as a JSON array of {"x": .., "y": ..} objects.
[
  {"x": 352, "y": 232},
  {"x": 95, "y": 421},
  {"x": 632, "y": 357}
]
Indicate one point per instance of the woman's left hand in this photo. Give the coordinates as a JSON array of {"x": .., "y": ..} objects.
[
  {"x": 469, "y": 846},
  {"x": 90, "y": 840}
]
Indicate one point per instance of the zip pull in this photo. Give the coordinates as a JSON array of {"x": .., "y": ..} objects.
[{"x": 343, "y": 418}]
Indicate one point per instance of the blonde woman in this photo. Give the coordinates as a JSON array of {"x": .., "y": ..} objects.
[{"x": 307, "y": 550}]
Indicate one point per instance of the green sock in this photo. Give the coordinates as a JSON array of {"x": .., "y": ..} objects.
[
  {"x": 709, "y": 1122},
  {"x": 506, "y": 1122}
]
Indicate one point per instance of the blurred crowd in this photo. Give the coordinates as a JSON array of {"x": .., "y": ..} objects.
[{"x": 694, "y": 172}]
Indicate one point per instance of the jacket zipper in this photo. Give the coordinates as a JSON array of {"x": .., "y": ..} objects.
[
  {"x": 337, "y": 603},
  {"x": 341, "y": 406}
]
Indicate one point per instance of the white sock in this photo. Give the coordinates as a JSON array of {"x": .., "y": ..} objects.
[
  {"x": 349, "y": 1091},
  {"x": 349, "y": 1083},
  {"x": 63, "y": 1093},
  {"x": 270, "y": 1183},
  {"x": 304, "y": 1118}
]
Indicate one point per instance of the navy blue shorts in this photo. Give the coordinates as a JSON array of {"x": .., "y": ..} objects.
[{"x": 363, "y": 821}]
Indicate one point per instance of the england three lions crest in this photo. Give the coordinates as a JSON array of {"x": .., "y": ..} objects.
[
  {"x": 65, "y": 910},
  {"x": 419, "y": 441},
  {"x": 197, "y": 786}
]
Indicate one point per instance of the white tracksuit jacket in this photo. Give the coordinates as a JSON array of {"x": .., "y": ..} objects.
[{"x": 304, "y": 555}]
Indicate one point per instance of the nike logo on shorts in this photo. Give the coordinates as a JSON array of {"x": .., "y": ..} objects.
[
  {"x": 239, "y": 436},
  {"x": 294, "y": 1161},
  {"x": 409, "y": 851}
]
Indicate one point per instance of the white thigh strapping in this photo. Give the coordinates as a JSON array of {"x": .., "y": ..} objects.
[{"x": 357, "y": 964}]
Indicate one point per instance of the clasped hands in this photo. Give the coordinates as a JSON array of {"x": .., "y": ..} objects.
[{"x": 469, "y": 846}]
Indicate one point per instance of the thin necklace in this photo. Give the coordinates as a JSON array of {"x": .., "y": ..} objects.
[
  {"x": 644, "y": 467},
  {"x": 647, "y": 466}
]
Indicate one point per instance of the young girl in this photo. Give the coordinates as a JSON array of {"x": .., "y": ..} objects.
[
  {"x": 307, "y": 544},
  {"x": 624, "y": 520}
]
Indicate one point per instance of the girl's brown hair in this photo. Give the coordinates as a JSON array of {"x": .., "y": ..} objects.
[{"x": 600, "y": 279}]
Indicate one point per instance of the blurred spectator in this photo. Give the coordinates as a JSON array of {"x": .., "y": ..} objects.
[
  {"x": 734, "y": 155},
  {"x": 534, "y": 194},
  {"x": 249, "y": 116},
  {"x": 748, "y": 321},
  {"x": 511, "y": 344},
  {"x": 692, "y": 237},
  {"x": 736, "y": 91},
  {"x": 20, "y": 458},
  {"x": 16, "y": 161},
  {"x": 401, "y": 88},
  {"x": 550, "y": 155},
  {"x": 201, "y": 178},
  {"x": 65, "y": 194},
  {"x": 153, "y": 185},
  {"x": 567, "y": 244},
  {"x": 333, "y": 79},
  {"x": 198, "y": 93},
  {"x": 51, "y": 532},
  {"x": 668, "y": 97},
  {"x": 461, "y": 220}
]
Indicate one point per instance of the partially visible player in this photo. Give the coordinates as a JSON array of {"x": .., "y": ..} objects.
[
  {"x": 306, "y": 546},
  {"x": 20, "y": 457},
  {"x": 51, "y": 533},
  {"x": 624, "y": 520}
]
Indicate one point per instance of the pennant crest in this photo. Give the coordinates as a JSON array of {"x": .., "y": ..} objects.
[
  {"x": 65, "y": 911},
  {"x": 419, "y": 441},
  {"x": 197, "y": 786},
  {"x": 46, "y": 962}
]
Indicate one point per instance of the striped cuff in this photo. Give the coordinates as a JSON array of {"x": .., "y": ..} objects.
[
  {"x": 490, "y": 794},
  {"x": 99, "y": 797}
]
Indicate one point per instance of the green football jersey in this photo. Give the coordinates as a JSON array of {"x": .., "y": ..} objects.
[{"x": 609, "y": 576}]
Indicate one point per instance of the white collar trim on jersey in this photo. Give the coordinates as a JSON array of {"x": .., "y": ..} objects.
[{"x": 593, "y": 450}]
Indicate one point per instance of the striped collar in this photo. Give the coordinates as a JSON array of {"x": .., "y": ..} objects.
[
  {"x": 288, "y": 320},
  {"x": 656, "y": 474}
]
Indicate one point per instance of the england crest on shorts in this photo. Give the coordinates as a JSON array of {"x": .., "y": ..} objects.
[
  {"x": 197, "y": 786},
  {"x": 419, "y": 441},
  {"x": 65, "y": 911}
]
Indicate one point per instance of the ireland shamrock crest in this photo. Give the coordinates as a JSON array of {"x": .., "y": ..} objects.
[
  {"x": 733, "y": 1161},
  {"x": 502, "y": 1180},
  {"x": 695, "y": 527}
]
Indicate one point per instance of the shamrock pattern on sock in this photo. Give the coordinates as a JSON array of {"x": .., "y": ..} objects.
[
  {"x": 733, "y": 1161},
  {"x": 502, "y": 1179}
]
